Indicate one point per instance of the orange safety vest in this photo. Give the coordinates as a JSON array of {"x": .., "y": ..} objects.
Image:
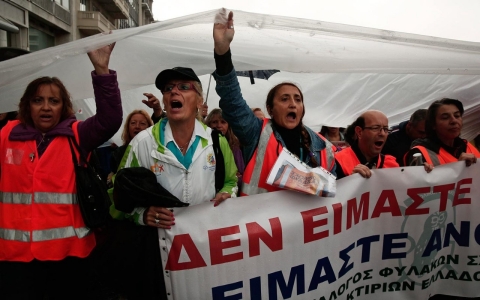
[
  {"x": 443, "y": 157},
  {"x": 348, "y": 160},
  {"x": 265, "y": 156},
  {"x": 39, "y": 214}
]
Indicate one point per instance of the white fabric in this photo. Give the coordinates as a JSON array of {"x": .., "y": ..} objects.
[
  {"x": 377, "y": 233},
  {"x": 342, "y": 69}
]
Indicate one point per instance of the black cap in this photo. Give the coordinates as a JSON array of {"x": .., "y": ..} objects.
[{"x": 175, "y": 73}]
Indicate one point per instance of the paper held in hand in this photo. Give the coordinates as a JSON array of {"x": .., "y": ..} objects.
[{"x": 289, "y": 172}]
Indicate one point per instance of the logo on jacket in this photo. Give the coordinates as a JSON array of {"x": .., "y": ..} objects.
[
  {"x": 157, "y": 168},
  {"x": 211, "y": 162}
]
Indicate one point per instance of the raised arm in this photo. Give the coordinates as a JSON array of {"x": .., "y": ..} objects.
[
  {"x": 235, "y": 110},
  {"x": 97, "y": 129}
]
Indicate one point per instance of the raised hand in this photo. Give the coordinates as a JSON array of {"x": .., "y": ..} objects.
[
  {"x": 100, "y": 58},
  {"x": 153, "y": 102},
  {"x": 223, "y": 32}
]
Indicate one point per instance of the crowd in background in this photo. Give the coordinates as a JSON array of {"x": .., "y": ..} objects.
[{"x": 196, "y": 155}]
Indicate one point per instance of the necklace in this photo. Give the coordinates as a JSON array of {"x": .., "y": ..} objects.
[
  {"x": 32, "y": 154},
  {"x": 184, "y": 147}
]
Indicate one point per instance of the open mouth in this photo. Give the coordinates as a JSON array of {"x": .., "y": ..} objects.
[
  {"x": 292, "y": 116},
  {"x": 176, "y": 104},
  {"x": 45, "y": 117},
  {"x": 379, "y": 143}
]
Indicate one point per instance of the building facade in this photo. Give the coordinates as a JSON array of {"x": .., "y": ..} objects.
[{"x": 37, "y": 24}]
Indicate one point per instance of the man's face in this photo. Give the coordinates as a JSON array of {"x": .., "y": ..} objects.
[
  {"x": 372, "y": 137},
  {"x": 416, "y": 131}
]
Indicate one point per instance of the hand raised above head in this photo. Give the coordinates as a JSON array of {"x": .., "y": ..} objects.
[
  {"x": 100, "y": 58},
  {"x": 223, "y": 32}
]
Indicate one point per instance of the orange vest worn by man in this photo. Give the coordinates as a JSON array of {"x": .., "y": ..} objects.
[{"x": 347, "y": 159}]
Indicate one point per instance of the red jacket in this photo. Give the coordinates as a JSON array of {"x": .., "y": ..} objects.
[
  {"x": 348, "y": 160},
  {"x": 39, "y": 214}
]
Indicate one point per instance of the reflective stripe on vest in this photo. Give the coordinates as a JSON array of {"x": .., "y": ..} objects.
[
  {"x": 433, "y": 157},
  {"x": 252, "y": 188},
  {"x": 15, "y": 198},
  {"x": 43, "y": 235},
  {"x": 41, "y": 198}
]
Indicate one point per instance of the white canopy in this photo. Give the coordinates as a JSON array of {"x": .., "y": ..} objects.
[{"x": 342, "y": 70}]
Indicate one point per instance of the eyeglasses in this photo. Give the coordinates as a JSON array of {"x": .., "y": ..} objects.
[
  {"x": 182, "y": 87},
  {"x": 377, "y": 128}
]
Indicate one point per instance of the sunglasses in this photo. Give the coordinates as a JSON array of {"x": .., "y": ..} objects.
[{"x": 182, "y": 87}]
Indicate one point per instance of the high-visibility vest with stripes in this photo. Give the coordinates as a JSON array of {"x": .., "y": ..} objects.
[
  {"x": 39, "y": 214},
  {"x": 443, "y": 157},
  {"x": 348, "y": 160},
  {"x": 264, "y": 157}
]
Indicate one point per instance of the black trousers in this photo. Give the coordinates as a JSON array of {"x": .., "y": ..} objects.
[{"x": 65, "y": 279}]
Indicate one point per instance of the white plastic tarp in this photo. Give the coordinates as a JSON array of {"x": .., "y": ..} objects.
[{"x": 341, "y": 69}]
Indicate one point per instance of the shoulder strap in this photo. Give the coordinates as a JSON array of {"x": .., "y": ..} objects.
[
  {"x": 382, "y": 161},
  {"x": 220, "y": 165}
]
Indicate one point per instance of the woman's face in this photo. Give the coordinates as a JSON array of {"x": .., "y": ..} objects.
[
  {"x": 181, "y": 104},
  {"x": 448, "y": 122},
  {"x": 217, "y": 122},
  {"x": 46, "y": 107},
  {"x": 137, "y": 123},
  {"x": 333, "y": 130},
  {"x": 287, "y": 110}
]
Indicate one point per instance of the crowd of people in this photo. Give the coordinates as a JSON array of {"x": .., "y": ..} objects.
[{"x": 196, "y": 155}]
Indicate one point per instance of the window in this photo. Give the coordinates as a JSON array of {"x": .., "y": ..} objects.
[
  {"x": 39, "y": 40},
  {"x": 64, "y": 3},
  {"x": 83, "y": 5}
]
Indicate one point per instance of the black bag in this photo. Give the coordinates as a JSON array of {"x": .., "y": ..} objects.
[
  {"x": 138, "y": 186},
  {"x": 91, "y": 191}
]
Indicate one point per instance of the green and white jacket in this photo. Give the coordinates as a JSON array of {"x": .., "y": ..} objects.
[{"x": 193, "y": 185}]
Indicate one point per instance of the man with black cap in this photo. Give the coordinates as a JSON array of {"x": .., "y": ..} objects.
[{"x": 180, "y": 151}]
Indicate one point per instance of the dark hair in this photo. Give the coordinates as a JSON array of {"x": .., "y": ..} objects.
[
  {"x": 350, "y": 135},
  {"x": 24, "y": 114},
  {"x": 432, "y": 113},
  {"x": 418, "y": 116}
]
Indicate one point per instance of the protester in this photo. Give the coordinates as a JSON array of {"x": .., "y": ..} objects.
[
  {"x": 215, "y": 120},
  {"x": 371, "y": 129},
  {"x": 153, "y": 102},
  {"x": 262, "y": 141},
  {"x": 399, "y": 140},
  {"x": 258, "y": 113},
  {"x": 333, "y": 134},
  {"x": 136, "y": 121},
  {"x": 203, "y": 111},
  {"x": 179, "y": 151},
  {"x": 44, "y": 243},
  {"x": 443, "y": 144}
]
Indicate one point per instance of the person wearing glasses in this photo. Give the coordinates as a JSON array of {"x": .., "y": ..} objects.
[
  {"x": 371, "y": 130},
  {"x": 263, "y": 140},
  {"x": 443, "y": 144},
  {"x": 177, "y": 145}
]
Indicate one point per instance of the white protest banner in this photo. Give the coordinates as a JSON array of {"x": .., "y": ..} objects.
[{"x": 402, "y": 234}]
